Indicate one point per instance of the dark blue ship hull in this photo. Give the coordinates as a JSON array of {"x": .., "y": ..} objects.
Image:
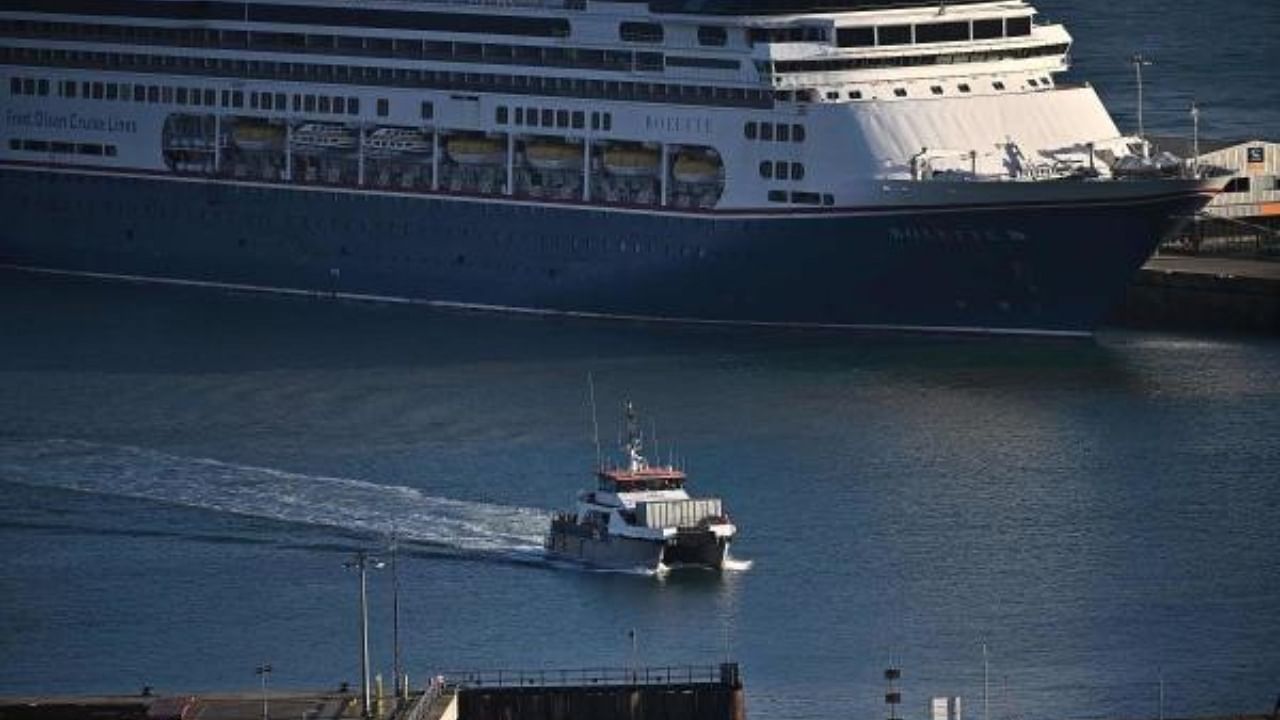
[{"x": 1044, "y": 268}]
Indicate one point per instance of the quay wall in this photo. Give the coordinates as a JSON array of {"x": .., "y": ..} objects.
[
  {"x": 702, "y": 701},
  {"x": 1203, "y": 294}
]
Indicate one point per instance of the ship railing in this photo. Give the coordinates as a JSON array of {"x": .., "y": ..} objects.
[{"x": 724, "y": 673}]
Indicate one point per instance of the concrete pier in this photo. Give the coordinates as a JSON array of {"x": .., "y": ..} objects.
[{"x": 1203, "y": 294}]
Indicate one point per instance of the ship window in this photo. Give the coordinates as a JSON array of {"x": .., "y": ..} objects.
[
  {"x": 855, "y": 94},
  {"x": 856, "y": 37},
  {"x": 111, "y": 150},
  {"x": 893, "y": 35},
  {"x": 428, "y": 110},
  {"x": 963, "y": 87},
  {"x": 900, "y": 92},
  {"x": 780, "y": 170},
  {"x": 237, "y": 99},
  {"x": 253, "y": 98},
  {"x": 766, "y": 131},
  {"x": 749, "y": 130},
  {"x": 797, "y": 171},
  {"x": 384, "y": 107},
  {"x": 531, "y": 116},
  {"x": 579, "y": 119},
  {"x": 595, "y": 121},
  {"x": 519, "y": 116},
  {"x": 339, "y": 105},
  {"x": 988, "y": 29},
  {"x": 1237, "y": 185},
  {"x": 99, "y": 90},
  {"x": 936, "y": 89},
  {"x": 797, "y": 133},
  {"x": 139, "y": 93},
  {"x": 608, "y": 121},
  {"x": 42, "y": 87},
  {"x": 69, "y": 89},
  {"x": 562, "y": 118},
  {"x": 500, "y": 115},
  {"x": 833, "y": 95},
  {"x": 353, "y": 106},
  {"x": 1017, "y": 27},
  {"x": 1033, "y": 82},
  {"x": 153, "y": 94},
  {"x": 326, "y": 104},
  {"x": 942, "y": 32},
  {"x": 1045, "y": 81},
  {"x": 805, "y": 198},
  {"x": 15, "y": 86},
  {"x": 15, "y": 144},
  {"x": 309, "y": 103},
  {"x": 640, "y": 32},
  {"x": 828, "y": 199},
  {"x": 784, "y": 133},
  {"x": 712, "y": 35},
  {"x": 777, "y": 196},
  {"x": 113, "y": 91},
  {"x": 766, "y": 170},
  {"x": 998, "y": 85},
  {"x": 548, "y": 118}
]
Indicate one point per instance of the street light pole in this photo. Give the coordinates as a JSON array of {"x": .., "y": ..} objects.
[
  {"x": 986, "y": 685},
  {"x": 395, "y": 617},
  {"x": 263, "y": 671},
  {"x": 362, "y": 562}
]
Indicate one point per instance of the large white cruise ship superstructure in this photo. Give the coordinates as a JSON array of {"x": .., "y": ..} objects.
[{"x": 844, "y": 163}]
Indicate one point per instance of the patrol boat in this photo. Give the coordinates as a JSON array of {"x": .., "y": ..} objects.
[{"x": 641, "y": 517}]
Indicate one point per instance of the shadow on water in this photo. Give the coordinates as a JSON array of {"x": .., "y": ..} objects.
[{"x": 116, "y": 327}]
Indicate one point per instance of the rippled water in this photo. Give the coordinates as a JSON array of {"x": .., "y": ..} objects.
[{"x": 184, "y": 473}]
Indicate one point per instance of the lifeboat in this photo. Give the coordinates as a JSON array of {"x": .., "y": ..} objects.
[
  {"x": 477, "y": 151},
  {"x": 397, "y": 140},
  {"x": 696, "y": 169},
  {"x": 321, "y": 136},
  {"x": 553, "y": 156},
  {"x": 257, "y": 137},
  {"x": 631, "y": 162}
]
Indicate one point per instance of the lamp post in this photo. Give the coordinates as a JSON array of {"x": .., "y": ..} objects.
[
  {"x": 361, "y": 563},
  {"x": 262, "y": 671},
  {"x": 1139, "y": 61}
]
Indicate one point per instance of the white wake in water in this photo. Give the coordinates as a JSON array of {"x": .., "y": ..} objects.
[{"x": 352, "y": 505}]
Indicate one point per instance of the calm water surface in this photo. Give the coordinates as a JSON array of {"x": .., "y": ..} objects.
[{"x": 184, "y": 472}]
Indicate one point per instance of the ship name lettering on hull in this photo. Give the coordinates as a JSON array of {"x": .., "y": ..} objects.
[{"x": 69, "y": 121}]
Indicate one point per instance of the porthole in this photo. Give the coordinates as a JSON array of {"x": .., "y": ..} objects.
[
  {"x": 964, "y": 87},
  {"x": 855, "y": 94},
  {"x": 936, "y": 89},
  {"x": 900, "y": 92},
  {"x": 1033, "y": 82},
  {"x": 997, "y": 85}
]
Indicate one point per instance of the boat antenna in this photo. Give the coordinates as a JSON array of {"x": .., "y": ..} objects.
[
  {"x": 595, "y": 424},
  {"x": 653, "y": 439}
]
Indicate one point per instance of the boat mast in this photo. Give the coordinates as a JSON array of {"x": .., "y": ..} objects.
[{"x": 595, "y": 425}]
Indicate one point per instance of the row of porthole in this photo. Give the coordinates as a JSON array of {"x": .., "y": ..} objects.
[
  {"x": 780, "y": 170},
  {"x": 778, "y": 132},
  {"x": 964, "y": 88}
]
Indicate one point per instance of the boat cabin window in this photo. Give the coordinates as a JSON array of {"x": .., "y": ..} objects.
[
  {"x": 893, "y": 35},
  {"x": 988, "y": 29},
  {"x": 713, "y": 35},
  {"x": 640, "y": 32},
  {"x": 1017, "y": 27},
  {"x": 856, "y": 37}
]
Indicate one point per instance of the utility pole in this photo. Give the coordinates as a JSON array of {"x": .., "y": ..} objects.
[{"x": 361, "y": 563}]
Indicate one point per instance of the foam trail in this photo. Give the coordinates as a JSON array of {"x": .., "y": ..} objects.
[{"x": 215, "y": 485}]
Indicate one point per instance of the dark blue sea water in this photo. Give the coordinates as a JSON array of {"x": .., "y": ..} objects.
[{"x": 183, "y": 473}]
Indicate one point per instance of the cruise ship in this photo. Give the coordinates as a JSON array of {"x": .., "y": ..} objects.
[{"x": 868, "y": 164}]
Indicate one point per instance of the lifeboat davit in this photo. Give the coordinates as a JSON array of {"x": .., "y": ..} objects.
[
  {"x": 477, "y": 151},
  {"x": 696, "y": 169},
  {"x": 553, "y": 156},
  {"x": 631, "y": 162}
]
